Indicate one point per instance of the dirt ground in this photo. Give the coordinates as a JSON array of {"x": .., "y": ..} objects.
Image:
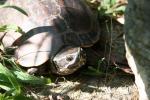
[{"x": 81, "y": 87}]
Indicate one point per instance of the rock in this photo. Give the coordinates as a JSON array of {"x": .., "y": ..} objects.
[{"x": 137, "y": 39}]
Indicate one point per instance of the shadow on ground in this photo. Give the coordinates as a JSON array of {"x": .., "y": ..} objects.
[{"x": 83, "y": 87}]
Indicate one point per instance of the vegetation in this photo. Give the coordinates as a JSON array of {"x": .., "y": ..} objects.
[{"x": 111, "y": 8}]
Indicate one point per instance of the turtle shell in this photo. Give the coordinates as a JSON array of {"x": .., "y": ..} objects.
[
  {"x": 81, "y": 27},
  {"x": 50, "y": 25}
]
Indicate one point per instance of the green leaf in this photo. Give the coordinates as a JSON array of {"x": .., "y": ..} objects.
[
  {"x": 113, "y": 2},
  {"x": 92, "y": 71},
  {"x": 5, "y": 86},
  {"x": 120, "y": 8},
  {"x": 24, "y": 77},
  {"x": 11, "y": 78},
  {"x": 5, "y": 97},
  {"x": 109, "y": 11},
  {"x": 4, "y": 82},
  {"x": 30, "y": 79},
  {"x": 106, "y": 2},
  {"x": 115, "y": 10},
  {"x": 10, "y": 27},
  {"x": 14, "y": 7}
]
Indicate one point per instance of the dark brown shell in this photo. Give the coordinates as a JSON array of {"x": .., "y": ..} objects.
[{"x": 71, "y": 22}]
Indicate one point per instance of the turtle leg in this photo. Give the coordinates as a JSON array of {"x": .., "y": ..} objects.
[{"x": 137, "y": 39}]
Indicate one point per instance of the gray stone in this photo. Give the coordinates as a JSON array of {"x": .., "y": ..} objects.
[{"x": 137, "y": 40}]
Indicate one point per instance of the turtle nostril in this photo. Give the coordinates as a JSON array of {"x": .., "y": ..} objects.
[{"x": 69, "y": 58}]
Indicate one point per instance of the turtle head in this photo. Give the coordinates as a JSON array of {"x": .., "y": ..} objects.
[{"x": 68, "y": 60}]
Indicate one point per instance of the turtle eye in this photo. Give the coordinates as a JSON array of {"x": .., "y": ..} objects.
[{"x": 69, "y": 58}]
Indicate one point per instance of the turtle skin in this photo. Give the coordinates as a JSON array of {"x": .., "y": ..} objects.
[{"x": 51, "y": 25}]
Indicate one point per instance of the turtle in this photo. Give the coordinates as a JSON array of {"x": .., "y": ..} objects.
[{"x": 55, "y": 31}]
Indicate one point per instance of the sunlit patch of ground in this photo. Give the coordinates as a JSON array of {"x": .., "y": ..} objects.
[{"x": 117, "y": 87}]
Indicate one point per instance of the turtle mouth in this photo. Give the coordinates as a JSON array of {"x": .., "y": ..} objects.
[{"x": 65, "y": 64}]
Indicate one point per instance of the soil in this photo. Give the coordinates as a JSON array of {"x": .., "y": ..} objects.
[{"x": 83, "y": 87}]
